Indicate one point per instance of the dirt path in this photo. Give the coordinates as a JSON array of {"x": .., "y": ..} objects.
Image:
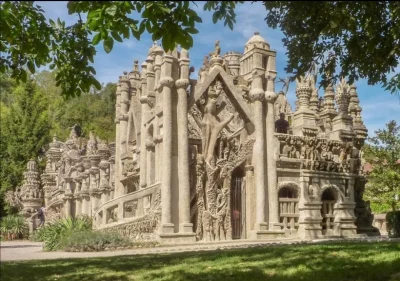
[{"x": 26, "y": 250}]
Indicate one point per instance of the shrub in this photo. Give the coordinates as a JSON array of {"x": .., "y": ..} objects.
[
  {"x": 13, "y": 227},
  {"x": 393, "y": 224},
  {"x": 380, "y": 208},
  {"x": 55, "y": 232},
  {"x": 94, "y": 241}
]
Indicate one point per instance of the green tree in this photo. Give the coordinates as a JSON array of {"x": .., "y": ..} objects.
[
  {"x": 364, "y": 37},
  {"x": 383, "y": 153},
  {"x": 28, "y": 39},
  {"x": 25, "y": 130},
  {"x": 93, "y": 111}
]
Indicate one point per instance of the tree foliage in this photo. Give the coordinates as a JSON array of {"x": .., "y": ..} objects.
[
  {"x": 29, "y": 40},
  {"x": 383, "y": 153},
  {"x": 25, "y": 130},
  {"x": 364, "y": 38},
  {"x": 32, "y": 112}
]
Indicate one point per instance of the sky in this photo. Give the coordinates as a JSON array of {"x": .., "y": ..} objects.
[{"x": 378, "y": 106}]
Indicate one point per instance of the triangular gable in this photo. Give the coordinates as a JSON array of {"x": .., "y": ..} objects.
[{"x": 227, "y": 80}]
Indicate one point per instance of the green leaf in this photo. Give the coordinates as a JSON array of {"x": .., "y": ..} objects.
[
  {"x": 230, "y": 24},
  {"x": 31, "y": 67},
  {"x": 215, "y": 17},
  {"x": 108, "y": 44},
  {"x": 111, "y": 10},
  {"x": 95, "y": 83},
  {"x": 116, "y": 36},
  {"x": 96, "y": 39},
  {"x": 191, "y": 30},
  {"x": 92, "y": 70}
]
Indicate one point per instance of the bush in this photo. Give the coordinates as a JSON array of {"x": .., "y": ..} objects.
[
  {"x": 393, "y": 224},
  {"x": 94, "y": 241},
  {"x": 380, "y": 208},
  {"x": 13, "y": 227},
  {"x": 55, "y": 232}
]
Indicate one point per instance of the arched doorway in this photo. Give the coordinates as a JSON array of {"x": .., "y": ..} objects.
[
  {"x": 328, "y": 199},
  {"x": 288, "y": 197},
  {"x": 238, "y": 199}
]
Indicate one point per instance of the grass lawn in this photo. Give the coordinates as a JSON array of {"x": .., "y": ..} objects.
[{"x": 326, "y": 262}]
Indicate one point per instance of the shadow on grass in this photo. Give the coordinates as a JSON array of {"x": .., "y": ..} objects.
[{"x": 346, "y": 261}]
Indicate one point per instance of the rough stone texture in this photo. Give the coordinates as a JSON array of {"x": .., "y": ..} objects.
[{"x": 199, "y": 160}]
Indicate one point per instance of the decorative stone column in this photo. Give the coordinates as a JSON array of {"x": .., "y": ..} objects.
[
  {"x": 251, "y": 197},
  {"x": 342, "y": 124},
  {"x": 345, "y": 218},
  {"x": 310, "y": 212},
  {"x": 344, "y": 223},
  {"x": 118, "y": 163},
  {"x": 304, "y": 120},
  {"x": 67, "y": 204},
  {"x": 272, "y": 145},
  {"x": 145, "y": 108},
  {"x": 104, "y": 185},
  {"x": 183, "y": 145},
  {"x": 166, "y": 191},
  {"x": 78, "y": 197},
  {"x": 272, "y": 149},
  {"x": 123, "y": 119},
  {"x": 257, "y": 96}
]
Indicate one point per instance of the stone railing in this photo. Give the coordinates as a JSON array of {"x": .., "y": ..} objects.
[
  {"x": 289, "y": 213},
  {"x": 125, "y": 208},
  {"x": 380, "y": 223}
]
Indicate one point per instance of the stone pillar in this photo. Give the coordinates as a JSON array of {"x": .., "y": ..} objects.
[
  {"x": 143, "y": 155},
  {"x": 166, "y": 191},
  {"x": 272, "y": 144},
  {"x": 257, "y": 96},
  {"x": 85, "y": 203},
  {"x": 310, "y": 213},
  {"x": 78, "y": 207},
  {"x": 183, "y": 145},
  {"x": 250, "y": 199},
  {"x": 67, "y": 204},
  {"x": 272, "y": 149},
  {"x": 118, "y": 164},
  {"x": 123, "y": 119}
]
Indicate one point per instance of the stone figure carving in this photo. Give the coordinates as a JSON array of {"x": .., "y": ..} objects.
[
  {"x": 281, "y": 125},
  {"x": 217, "y": 50},
  {"x": 210, "y": 125},
  {"x": 321, "y": 154},
  {"x": 221, "y": 153}
]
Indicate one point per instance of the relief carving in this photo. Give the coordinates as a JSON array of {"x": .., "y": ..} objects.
[
  {"x": 319, "y": 154},
  {"x": 222, "y": 152}
]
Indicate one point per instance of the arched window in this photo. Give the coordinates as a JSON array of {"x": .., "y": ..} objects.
[
  {"x": 328, "y": 199},
  {"x": 288, "y": 208}
]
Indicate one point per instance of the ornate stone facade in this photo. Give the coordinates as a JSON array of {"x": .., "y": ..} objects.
[{"x": 199, "y": 160}]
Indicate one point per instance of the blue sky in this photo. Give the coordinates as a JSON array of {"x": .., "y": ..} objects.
[{"x": 379, "y": 106}]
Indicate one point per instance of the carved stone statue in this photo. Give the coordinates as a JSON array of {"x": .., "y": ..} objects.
[{"x": 217, "y": 50}]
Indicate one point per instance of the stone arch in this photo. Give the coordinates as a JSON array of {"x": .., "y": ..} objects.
[
  {"x": 338, "y": 193},
  {"x": 289, "y": 184},
  {"x": 288, "y": 204}
]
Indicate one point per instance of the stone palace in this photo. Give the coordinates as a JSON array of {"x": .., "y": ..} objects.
[{"x": 205, "y": 159}]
